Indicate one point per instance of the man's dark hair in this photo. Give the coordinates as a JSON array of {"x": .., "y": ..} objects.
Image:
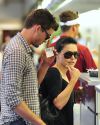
[
  {"x": 64, "y": 41},
  {"x": 67, "y": 16},
  {"x": 41, "y": 17}
]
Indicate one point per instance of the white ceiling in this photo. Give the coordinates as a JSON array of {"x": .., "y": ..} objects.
[
  {"x": 12, "y": 12},
  {"x": 15, "y": 9},
  {"x": 80, "y": 6}
]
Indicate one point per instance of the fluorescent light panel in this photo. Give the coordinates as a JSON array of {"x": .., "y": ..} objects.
[
  {"x": 63, "y": 4},
  {"x": 45, "y": 4}
]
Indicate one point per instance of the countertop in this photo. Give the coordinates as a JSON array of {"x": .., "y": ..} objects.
[
  {"x": 97, "y": 87},
  {"x": 92, "y": 81}
]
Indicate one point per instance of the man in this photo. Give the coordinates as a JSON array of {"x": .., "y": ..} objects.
[
  {"x": 69, "y": 22},
  {"x": 19, "y": 84}
]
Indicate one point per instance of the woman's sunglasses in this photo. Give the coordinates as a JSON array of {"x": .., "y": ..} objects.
[{"x": 69, "y": 54}]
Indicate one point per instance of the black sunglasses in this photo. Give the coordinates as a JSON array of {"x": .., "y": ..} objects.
[
  {"x": 47, "y": 34},
  {"x": 69, "y": 54}
]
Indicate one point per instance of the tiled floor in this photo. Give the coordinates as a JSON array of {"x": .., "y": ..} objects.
[{"x": 76, "y": 114}]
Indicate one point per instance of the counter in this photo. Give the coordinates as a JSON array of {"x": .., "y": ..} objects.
[
  {"x": 90, "y": 102},
  {"x": 92, "y": 81},
  {"x": 97, "y": 87}
]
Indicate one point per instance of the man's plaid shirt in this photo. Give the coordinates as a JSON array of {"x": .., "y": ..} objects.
[{"x": 19, "y": 80}]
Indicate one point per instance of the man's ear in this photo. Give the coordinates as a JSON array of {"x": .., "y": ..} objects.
[
  {"x": 74, "y": 28},
  {"x": 36, "y": 28},
  {"x": 39, "y": 29}
]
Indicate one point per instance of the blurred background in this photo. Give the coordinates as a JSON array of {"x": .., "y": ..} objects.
[{"x": 13, "y": 13}]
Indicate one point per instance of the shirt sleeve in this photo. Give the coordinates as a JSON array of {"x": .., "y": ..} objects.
[
  {"x": 89, "y": 59},
  {"x": 85, "y": 60},
  {"x": 53, "y": 82},
  {"x": 13, "y": 66}
]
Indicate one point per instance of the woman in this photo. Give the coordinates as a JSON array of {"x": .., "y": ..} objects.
[{"x": 57, "y": 86}]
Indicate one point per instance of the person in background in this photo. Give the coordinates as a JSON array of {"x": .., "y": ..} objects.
[
  {"x": 70, "y": 27},
  {"x": 2, "y": 47},
  {"x": 56, "y": 84},
  {"x": 20, "y": 80},
  {"x": 6, "y": 39}
]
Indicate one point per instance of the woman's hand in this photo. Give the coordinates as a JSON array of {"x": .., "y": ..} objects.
[{"x": 74, "y": 73}]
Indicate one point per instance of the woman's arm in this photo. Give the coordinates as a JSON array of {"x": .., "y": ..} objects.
[{"x": 61, "y": 100}]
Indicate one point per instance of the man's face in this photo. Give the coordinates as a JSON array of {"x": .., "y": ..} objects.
[
  {"x": 46, "y": 33},
  {"x": 77, "y": 29},
  {"x": 42, "y": 36}
]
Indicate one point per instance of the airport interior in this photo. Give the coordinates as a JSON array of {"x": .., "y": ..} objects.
[{"x": 12, "y": 16}]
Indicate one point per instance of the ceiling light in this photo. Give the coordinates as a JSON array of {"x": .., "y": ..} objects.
[
  {"x": 45, "y": 4},
  {"x": 63, "y": 4}
]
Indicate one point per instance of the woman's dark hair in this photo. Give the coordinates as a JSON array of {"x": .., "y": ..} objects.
[
  {"x": 64, "y": 41},
  {"x": 41, "y": 17}
]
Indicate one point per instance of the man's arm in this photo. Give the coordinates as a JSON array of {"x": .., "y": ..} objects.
[
  {"x": 23, "y": 110},
  {"x": 42, "y": 71},
  {"x": 44, "y": 65}
]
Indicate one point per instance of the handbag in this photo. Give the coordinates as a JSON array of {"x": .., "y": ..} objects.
[{"x": 48, "y": 111}]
